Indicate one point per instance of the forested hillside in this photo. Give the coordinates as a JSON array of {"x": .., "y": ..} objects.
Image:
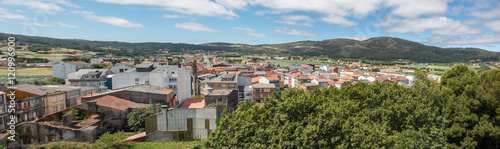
[
  {"x": 379, "y": 48},
  {"x": 461, "y": 112}
]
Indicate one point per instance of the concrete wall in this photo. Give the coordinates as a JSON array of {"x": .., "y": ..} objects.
[
  {"x": 121, "y": 80},
  {"x": 116, "y": 69},
  {"x": 62, "y": 69}
]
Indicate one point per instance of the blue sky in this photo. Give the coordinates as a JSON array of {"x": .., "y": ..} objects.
[{"x": 444, "y": 23}]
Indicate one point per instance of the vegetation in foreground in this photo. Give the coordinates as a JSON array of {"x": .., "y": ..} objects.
[
  {"x": 461, "y": 112},
  {"x": 115, "y": 141}
]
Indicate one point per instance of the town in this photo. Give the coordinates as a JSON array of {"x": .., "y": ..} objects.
[{"x": 190, "y": 93}]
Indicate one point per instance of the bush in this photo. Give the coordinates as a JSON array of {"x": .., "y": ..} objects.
[
  {"x": 107, "y": 141},
  {"x": 63, "y": 145}
]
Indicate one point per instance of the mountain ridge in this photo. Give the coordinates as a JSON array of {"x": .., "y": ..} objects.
[{"x": 377, "y": 48}]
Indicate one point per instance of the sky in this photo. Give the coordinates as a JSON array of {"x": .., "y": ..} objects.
[{"x": 443, "y": 23}]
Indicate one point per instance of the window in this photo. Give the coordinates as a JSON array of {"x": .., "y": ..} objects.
[
  {"x": 272, "y": 90},
  {"x": 62, "y": 107},
  {"x": 211, "y": 85},
  {"x": 136, "y": 79},
  {"x": 61, "y": 97},
  {"x": 172, "y": 80},
  {"x": 55, "y": 109},
  {"x": 231, "y": 86},
  {"x": 257, "y": 90},
  {"x": 257, "y": 95},
  {"x": 54, "y": 99},
  {"x": 121, "y": 70},
  {"x": 26, "y": 141},
  {"x": 173, "y": 72},
  {"x": 219, "y": 99},
  {"x": 146, "y": 82},
  {"x": 219, "y": 85}
]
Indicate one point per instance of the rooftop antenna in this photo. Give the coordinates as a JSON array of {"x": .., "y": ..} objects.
[{"x": 110, "y": 56}]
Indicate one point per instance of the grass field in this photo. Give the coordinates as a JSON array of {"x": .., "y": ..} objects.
[
  {"x": 27, "y": 71},
  {"x": 23, "y": 78}
]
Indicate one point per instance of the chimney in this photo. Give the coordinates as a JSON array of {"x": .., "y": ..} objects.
[
  {"x": 92, "y": 107},
  {"x": 67, "y": 120},
  {"x": 158, "y": 108}
]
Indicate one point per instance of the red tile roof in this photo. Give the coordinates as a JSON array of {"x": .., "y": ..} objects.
[
  {"x": 255, "y": 79},
  {"x": 270, "y": 78},
  {"x": 272, "y": 73},
  {"x": 114, "y": 102},
  {"x": 347, "y": 78},
  {"x": 193, "y": 103}
]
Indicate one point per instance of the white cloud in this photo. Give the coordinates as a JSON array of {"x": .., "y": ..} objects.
[
  {"x": 4, "y": 13},
  {"x": 195, "y": 27},
  {"x": 233, "y": 4},
  {"x": 36, "y": 24},
  {"x": 293, "y": 32},
  {"x": 477, "y": 40},
  {"x": 170, "y": 16},
  {"x": 416, "y": 8},
  {"x": 357, "y": 37},
  {"x": 493, "y": 25},
  {"x": 248, "y": 32},
  {"x": 342, "y": 22},
  {"x": 38, "y": 6},
  {"x": 60, "y": 24},
  {"x": 495, "y": 13},
  {"x": 192, "y": 7},
  {"x": 301, "y": 20},
  {"x": 441, "y": 26},
  {"x": 109, "y": 20}
]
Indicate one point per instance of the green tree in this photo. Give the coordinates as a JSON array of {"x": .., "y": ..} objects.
[{"x": 136, "y": 118}]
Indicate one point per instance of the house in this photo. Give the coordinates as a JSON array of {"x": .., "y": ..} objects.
[
  {"x": 182, "y": 123},
  {"x": 120, "y": 68},
  {"x": 30, "y": 100},
  {"x": 4, "y": 115},
  {"x": 193, "y": 103},
  {"x": 248, "y": 93},
  {"x": 144, "y": 94},
  {"x": 4, "y": 62},
  {"x": 61, "y": 70},
  {"x": 71, "y": 93},
  {"x": 90, "y": 78},
  {"x": 322, "y": 83},
  {"x": 98, "y": 116},
  {"x": 96, "y": 61},
  {"x": 339, "y": 84},
  {"x": 261, "y": 91},
  {"x": 226, "y": 97},
  {"x": 225, "y": 81},
  {"x": 308, "y": 86},
  {"x": 176, "y": 77}
]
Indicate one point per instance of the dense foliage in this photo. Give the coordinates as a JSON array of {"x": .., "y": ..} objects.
[
  {"x": 462, "y": 112},
  {"x": 105, "y": 141},
  {"x": 136, "y": 119}
]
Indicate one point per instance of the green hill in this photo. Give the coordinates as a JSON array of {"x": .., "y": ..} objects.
[{"x": 379, "y": 48}]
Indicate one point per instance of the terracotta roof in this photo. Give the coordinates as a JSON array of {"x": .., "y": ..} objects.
[
  {"x": 339, "y": 82},
  {"x": 114, "y": 102},
  {"x": 272, "y": 73},
  {"x": 255, "y": 79},
  {"x": 313, "y": 77},
  {"x": 272, "y": 78},
  {"x": 193, "y": 103},
  {"x": 303, "y": 77},
  {"x": 78, "y": 63},
  {"x": 88, "y": 95},
  {"x": 332, "y": 68},
  {"x": 137, "y": 136},
  {"x": 330, "y": 82},
  {"x": 347, "y": 78},
  {"x": 208, "y": 74}
]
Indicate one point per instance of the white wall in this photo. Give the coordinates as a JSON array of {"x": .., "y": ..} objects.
[
  {"x": 61, "y": 70},
  {"x": 121, "y": 80}
]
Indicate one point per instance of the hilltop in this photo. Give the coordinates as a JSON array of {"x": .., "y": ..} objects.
[{"x": 378, "y": 48}]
